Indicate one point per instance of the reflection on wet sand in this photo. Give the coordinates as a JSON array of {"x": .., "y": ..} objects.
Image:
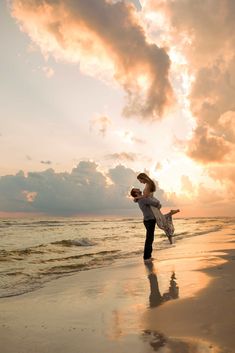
[
  {"x": 162, "y": 344},
  {"x": 157, "y": 340},
  {"x": 155, "y": 297}
]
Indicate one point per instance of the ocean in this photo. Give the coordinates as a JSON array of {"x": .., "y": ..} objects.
[{"x": 37, "y": 250}]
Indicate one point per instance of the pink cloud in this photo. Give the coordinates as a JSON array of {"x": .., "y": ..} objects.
[{"x": 105, "y": 39}]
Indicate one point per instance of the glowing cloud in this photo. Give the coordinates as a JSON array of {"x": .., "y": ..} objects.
[
  {"x": 206, "y": 147},
  {"x": 107, "y": 40},
  {"x": 102, "y": 122},
  {"x": 205, "y": 35}
]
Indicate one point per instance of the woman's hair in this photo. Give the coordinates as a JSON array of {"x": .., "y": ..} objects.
[{"x": 146, "y": 178}]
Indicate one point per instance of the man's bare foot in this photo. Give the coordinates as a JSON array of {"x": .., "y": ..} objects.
[{"x": 174, "y": 211}]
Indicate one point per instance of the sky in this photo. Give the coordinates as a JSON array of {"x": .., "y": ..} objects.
[{"x": 92, "y": 92}]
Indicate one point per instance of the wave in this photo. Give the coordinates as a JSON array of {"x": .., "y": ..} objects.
[
  {"x": 188, "y": 234},
  {"x": 211, "y": 230},
  {"x": 75, "y": 242},
  {"x": 207, "y": 220},
  {"x": 19, "y": 254},
  {"x": 23, "y": 281},
  {"x": 59, "y": 252},
  {"x": 6, "y": 255},
  {"x": 78, "y": 257}
]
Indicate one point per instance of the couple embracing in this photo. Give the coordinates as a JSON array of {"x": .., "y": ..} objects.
[{"x": 150, "y": 208}]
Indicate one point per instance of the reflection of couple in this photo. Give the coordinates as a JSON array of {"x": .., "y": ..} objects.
[
  {"x": 156, "y": 339},
  {"x": 150, "y": 208},
  {"x": 155, "y": 297}
]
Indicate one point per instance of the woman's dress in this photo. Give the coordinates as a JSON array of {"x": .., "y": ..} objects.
[{"x": 164, "y": 222}]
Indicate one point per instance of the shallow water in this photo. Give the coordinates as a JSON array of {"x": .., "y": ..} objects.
[{"x": 37, "y": 250}]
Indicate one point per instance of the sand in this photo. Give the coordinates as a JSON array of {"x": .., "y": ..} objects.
[{"x": 183, "y": 302}]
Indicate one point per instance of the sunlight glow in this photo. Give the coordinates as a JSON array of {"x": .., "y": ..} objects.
[
  {"x": 171, "y": 173},
  {"x": 126, "y": 136},
  {"x": 143, "y": 81}
]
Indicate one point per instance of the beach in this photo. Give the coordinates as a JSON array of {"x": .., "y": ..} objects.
[{"x": 181, "y": 302}]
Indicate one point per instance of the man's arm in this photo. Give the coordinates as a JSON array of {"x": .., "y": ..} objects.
[{"x": 151, "y": 202}]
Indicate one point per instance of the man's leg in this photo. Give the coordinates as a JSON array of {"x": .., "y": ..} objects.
[{"x": 150, "y": 227}]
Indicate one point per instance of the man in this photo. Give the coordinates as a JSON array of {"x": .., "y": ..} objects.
[{"x": 149, "y": 220}]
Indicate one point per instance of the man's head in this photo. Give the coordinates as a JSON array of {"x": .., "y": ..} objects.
[{"x": 135, "y": 192}]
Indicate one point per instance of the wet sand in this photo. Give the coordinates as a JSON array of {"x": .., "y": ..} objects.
[{"x": 183, "y": 302}]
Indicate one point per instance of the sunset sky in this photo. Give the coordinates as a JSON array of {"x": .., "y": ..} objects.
[{"x": 95, "y": 91}]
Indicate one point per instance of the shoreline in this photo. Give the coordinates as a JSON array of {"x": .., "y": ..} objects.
[{"x": 184, "y": 300}]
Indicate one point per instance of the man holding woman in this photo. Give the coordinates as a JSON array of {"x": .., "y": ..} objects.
[{"x": 150, "y": 208}]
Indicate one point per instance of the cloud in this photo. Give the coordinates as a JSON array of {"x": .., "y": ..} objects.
[
  {"x": 206, "y": 147},
  {"x": 187, "y": 184},
  {"x": 208, "y": 196},
  {"x": 30, "y": 196},
  {"x": 212, "y": 102},
  {"x": 208, "y": 25},
  {"x": 202, "y": 200},
  {"x": 123, "y": 156},
  {"x": 102, "y": 122},
  {"x": 107, "y": 40},
  {"x": 225, "y": 173},
  {"x": 138, "y": 140},
  {"x": 136, "y": 3},
  {"x": 129, "y": 137},
  {"x": 85, "y": 190},
  {"x": 158, "y": 166},
  {"x": 46, "y": 162},
  {"x": 205, "y": 35}
]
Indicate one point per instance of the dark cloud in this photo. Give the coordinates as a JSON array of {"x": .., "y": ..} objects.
[
  {"x": 84, "y": 190},
  {"x": 137, "y": 3},
  {"x": 46, "y": 162},
  {"x": 134, "y": 2}
]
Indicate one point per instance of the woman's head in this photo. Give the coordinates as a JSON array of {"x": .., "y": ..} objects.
[{"x": 145, "y": 179}]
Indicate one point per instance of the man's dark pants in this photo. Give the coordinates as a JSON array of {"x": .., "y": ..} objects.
[{"x": 150, "y": 227}]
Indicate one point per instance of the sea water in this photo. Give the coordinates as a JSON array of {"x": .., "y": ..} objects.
[{"x": 37, "y": 250}]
